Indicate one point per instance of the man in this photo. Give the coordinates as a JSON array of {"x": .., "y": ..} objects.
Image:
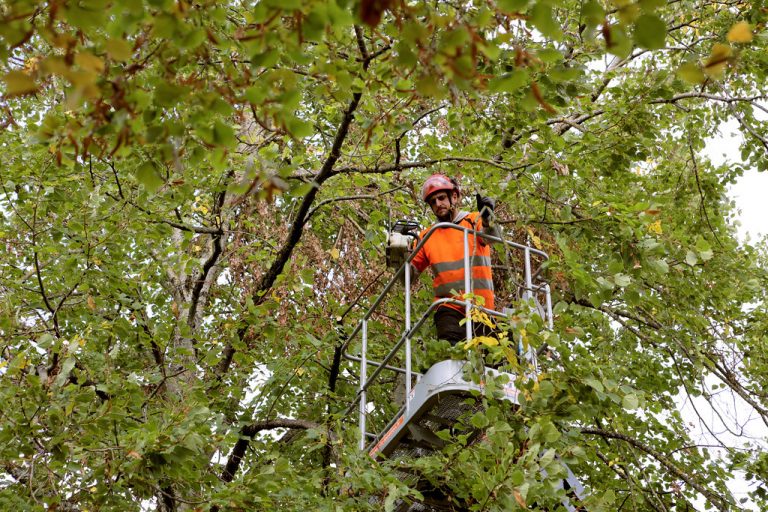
[{"x": 444, "y": 253}]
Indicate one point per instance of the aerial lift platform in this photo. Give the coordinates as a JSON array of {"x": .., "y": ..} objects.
[{"x": 449, "y": 391}]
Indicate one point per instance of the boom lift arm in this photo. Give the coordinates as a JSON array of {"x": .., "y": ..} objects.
[{"x": 446, "y": 392}]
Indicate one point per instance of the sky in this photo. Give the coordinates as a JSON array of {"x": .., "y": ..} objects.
[
  {"x": 749, "y": 192},
  {"x": 750, "y": 196}
]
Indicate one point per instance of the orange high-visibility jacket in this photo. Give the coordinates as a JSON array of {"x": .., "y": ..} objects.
[{"x": 444, "y": 252}]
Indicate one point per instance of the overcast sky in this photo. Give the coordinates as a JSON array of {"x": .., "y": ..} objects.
[{"x": 750, "y": 191}]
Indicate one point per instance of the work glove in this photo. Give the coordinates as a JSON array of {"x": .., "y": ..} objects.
[{"x": 485, "y": 202}]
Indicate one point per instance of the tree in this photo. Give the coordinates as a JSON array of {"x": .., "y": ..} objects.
[{"x": 194, "y": 198}]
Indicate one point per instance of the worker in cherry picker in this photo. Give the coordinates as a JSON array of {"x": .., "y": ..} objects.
[{"x": 444, "y": 253}]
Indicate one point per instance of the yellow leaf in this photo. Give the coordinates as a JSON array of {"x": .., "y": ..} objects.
[
  {"x": 536, "y": 240},
  {"x": 89, "y": 62},
  {"x": 91, "y": 303},
  {"x": 335, "y": 253},
  {"x": 471, "y": 343},
  {"x": 483, "y": 318},
  {"x": 31, "y": 64},
  {"x": 118, "y": 49},
  {"x": 740, "y": 33},
  {"x": 19, "y": 83},
  {"x": 655, "y": 227},
  {"x": 488, "y": 341},
  {"x": 718, "y": 59},
  {"x": 511, "y": 356}
]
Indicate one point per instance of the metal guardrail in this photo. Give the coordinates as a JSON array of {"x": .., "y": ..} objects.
[{"x": 530, "y": 289}]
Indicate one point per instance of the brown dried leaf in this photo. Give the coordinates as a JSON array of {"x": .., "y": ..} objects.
[
  {"x": 371, "y": 11},
  {"x": 540, "y": 98},
  {"x": 519, "y": 498}
]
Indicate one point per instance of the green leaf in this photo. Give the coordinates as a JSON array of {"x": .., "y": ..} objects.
[
  {"x": 704, "y": 249},
  {"x": 118, "y": 49},
  {"x": 168, "y": 94},
  {"x": 392, "y": 497},
  {"x": 45, "y": 341},
  {"x": 630, "y": 401},
  {"x": 266, "y": 59},
  {"x": 479, "y": 420},
  {"x": 604, "y": 283},
  {"x": 651, "y": 5},
  {"x": 224, "y": 134},
  {"x": 650, "y": 32},
  {"x": 691, "y": 73},
  {"x": 147, "y": 174},
  {"x": 509, "y": 82},
  {"x": 299, "y": 128},
  {"x": 549, "y": 432},
  {"x": 658, "y": 265},
  {"x": 542, "y": 18},
  {"x": 549, "y": 456},
  {"x": 622, "y": 280},
  {"x": 66, "y": 368},
  {"x": 512, "y": 5},
  {"x": 593, "y": 12},
  {"x": 550, "y": 55},
  {"x": 427, "y": 86},
  {"x": 617, "y": 41},
  {"x": 594, "y": 384}
]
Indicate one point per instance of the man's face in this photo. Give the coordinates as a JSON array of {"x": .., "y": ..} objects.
[{"x": 440, "y": 202}]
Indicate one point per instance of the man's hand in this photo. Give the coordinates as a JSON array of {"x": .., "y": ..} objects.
[{"x": 485, "y": 202}]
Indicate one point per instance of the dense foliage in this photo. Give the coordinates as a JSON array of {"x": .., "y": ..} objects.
[{"x": 194, "y": 202}]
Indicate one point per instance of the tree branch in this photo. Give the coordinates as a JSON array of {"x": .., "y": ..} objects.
[
  {"x": 708, "y": 96},
  {"x": 297, "y": 228},
  {"x": 248, "y": 432},
  {"x": 718, "y": 501},
  {"x": 351, "y": 198}
]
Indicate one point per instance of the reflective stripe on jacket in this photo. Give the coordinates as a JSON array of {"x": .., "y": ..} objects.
[{"x": 444, "y": 253}]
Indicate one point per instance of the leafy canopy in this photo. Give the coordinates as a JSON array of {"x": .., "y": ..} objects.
[{"x": 194, "y": 202}]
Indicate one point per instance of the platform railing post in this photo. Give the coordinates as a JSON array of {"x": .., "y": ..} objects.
[
  {"x": 407, "y": 339},
  {"x": 363, "y": 378},
  {"x": 528, "y": 280},
  {"x": 550, "y": 319},
  {"x": 467, "y": 281}
]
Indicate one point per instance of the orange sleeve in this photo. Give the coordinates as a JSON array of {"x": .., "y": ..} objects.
[{"x": 420, "y": 261}]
